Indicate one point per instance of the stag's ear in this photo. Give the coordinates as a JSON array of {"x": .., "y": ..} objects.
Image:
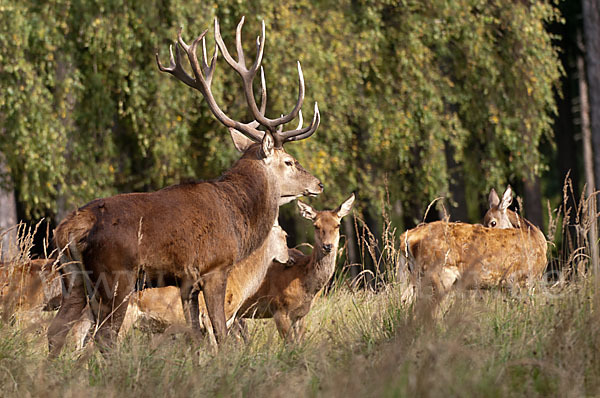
[
  {"x": 493, "y": 199},
  {"x": 306, "y": 211},
  {"x": 267, "y": 145},
  {"x": 506, "y": 199},
  {"x": 345, "y": 207},
  {"x": 240, "y": 141}
]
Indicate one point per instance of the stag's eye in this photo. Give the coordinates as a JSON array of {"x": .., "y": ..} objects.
[
  {"x": 493, "y": 224},
  {"x": 289, "y": 163}
]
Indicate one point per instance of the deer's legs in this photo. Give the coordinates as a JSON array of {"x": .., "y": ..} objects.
[
  {"x": 283, "y": 323},
  {"x": 73, "y": 303},
  {"x": 213, "y": 288},
  {"x": 112, "y": 300}
]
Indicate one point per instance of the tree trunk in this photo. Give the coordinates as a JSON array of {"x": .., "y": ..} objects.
[
  {"x": 352, "y": 256},
  {"x": 588, "y": 163},
  {"x": 8, "y": 218},
  {"x": 533, "y": 202},
  {"x": 591, "y": 26},
  {"x": 457, "y": 188}
]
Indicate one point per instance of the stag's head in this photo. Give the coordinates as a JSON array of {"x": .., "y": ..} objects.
[
  {"x": 292, "y": 179},
  {"x": 497, "y": 216},
  {"x": 326, "y": 223},
  {"x": 277, "y": 241}
]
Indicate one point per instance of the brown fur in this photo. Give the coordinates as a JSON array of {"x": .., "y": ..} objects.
[
  {"x": 172, "y": 236},
  {"x": 30, "y": 285},
  {"x": 287, "y": 293},
  {"x": 443, "y": 253},
  {"x": 157, "y": 309}
]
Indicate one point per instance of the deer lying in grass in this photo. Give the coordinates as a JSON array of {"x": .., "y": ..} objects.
[
  {"x": 30, "y": 285},
  {"x": 157, "y": 308},
  {"x": 190, "y": 233},
  {"x": 288, "y": 292},
  {"x": 444, "y": 253}
]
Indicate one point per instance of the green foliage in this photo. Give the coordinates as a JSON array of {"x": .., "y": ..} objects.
[{"x": 401, "y": 86}]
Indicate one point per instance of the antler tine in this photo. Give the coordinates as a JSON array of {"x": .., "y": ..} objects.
[
  {"x": 260, "y": 47},
  {"x": 290, "y": 116},
  {"x": 263, "y": 104},
  {"x": 300, "y": 134},
  {"x": 175, "y": 67},
  {"x": 238, "y": 42},
  {"x": 263, "y": 97},
  {"x": 207, "y": 69}
]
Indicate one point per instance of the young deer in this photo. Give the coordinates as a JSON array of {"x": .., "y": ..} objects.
[
  {"x": 511, "y": 251},
  {"x": 186, "y": 234},
  {"x": 288, "y": 292}
]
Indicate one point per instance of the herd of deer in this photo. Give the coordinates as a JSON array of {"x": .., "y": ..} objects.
[{"x": 157, "y": 250}]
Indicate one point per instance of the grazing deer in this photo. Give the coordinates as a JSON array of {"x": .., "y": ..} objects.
[
  {"x": 288, "y": 292},
  {"x": 443, "y": 253},
  {"x": 186, "y": 234},
  {"x": 30, "y": 285}
]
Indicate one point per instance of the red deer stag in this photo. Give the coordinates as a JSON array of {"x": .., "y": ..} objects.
[
  {"x": 189, "y": 233},
  {"x": 442, "y": 253},
  {"x": 288, "y": 292}
]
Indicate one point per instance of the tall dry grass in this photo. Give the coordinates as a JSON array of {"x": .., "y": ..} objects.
[{"x": 359, "y": 342}]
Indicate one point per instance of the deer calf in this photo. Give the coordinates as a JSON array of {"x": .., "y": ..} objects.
[{"x": 288, "y": 292}]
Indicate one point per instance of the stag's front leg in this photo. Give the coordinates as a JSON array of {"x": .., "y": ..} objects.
[{"x": 213, "y": 288}]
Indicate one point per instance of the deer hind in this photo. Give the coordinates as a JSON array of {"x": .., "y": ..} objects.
[
  {"x": 185, "y": 233},
  {"x": 287, "y": 292},
  {"x": 507, "y": 249}
]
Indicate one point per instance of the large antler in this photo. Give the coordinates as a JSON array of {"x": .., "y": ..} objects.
[
  {"x": 203, "y": 77},
  {"x": 202, "y": 81}
]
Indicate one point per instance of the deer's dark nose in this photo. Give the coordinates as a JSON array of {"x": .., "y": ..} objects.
[
  {"x": 327, "y": 247},
  {"x": 321, "y": 185}
]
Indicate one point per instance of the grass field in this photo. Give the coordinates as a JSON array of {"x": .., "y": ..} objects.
[{"x": 477, "y": 343}]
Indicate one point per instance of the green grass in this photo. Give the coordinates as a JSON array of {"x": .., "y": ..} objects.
[{"x": 476, "y": 343}]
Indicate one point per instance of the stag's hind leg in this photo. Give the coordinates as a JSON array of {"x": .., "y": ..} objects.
[
  {"x": 72, "y": 306},
  {"x": 112, "y": 298}
]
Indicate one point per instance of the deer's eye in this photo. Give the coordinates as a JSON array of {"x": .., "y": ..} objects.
[
  {"x": 289, "y": 163},
  {"x": 493, "y": 223}
]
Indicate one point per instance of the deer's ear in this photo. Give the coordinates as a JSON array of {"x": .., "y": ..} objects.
[
  {"x": 506, "y": 199},
  {"x": 345, "y": 207},
  {"x": 240, "y": 141},
  {"x": 267, "y": 145},
  {"x": 493, "y": 199},
  {"x": 307, "y": 211}
]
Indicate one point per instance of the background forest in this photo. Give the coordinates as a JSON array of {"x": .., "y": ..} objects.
[{"x": 419, "y": 100}]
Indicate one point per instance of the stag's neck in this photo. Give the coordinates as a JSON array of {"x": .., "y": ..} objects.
[
  {"x": 321, "y": 268},
  {"x": 254, "y": 195}
]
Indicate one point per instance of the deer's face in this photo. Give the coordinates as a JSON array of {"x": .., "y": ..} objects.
[
  {"x": 327, "y": 231},
  {"x": 327, "y": 224},
  {"x": 496, "y": 216},
  {"x": 294, "y": 181}
]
